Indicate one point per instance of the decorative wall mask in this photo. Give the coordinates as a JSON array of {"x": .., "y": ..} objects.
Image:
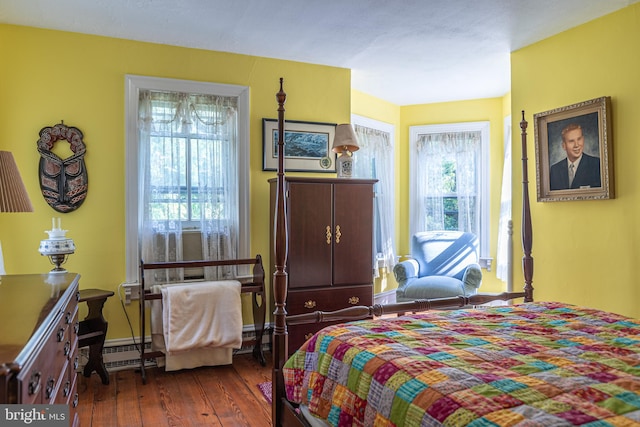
[{"x": 63, "y": 182}]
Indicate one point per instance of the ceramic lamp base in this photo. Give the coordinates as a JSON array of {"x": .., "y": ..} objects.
[{"x": 344, "y": 166}]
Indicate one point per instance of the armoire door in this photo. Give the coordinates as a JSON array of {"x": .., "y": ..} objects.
[
  {"x": 310, "y": 212},
  {"x": 353, "y": 234}
]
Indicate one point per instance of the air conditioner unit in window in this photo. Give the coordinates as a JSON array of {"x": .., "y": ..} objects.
[{"x": 192, "y": 249}]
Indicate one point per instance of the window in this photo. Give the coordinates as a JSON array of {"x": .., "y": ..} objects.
[
  {"x": 374, "y": 160},
  {"x": 449, "y": 168},
  {"x": 187, "y": 171}
]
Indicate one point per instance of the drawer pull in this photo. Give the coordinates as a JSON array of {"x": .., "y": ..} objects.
[
  {"x": 67, "y": 348},
  {"x": 34, "y": 383},
  {"x": 76, "y": 327},
  {"x": 51, "y": 382},
  {"x": 67, "y": 389},
  {"x": 354, "y": 300},
  {"x": 338, "y": 234},
  {"x": 67, "y": 318},
  {"x": 328, "y": 234},
  {"x": 76, "y": 363},
  {"x": 309, "y": 304},
  {"x": 75, "y": 400},
  {"x": 307, "y": 336},
  {"x": 60, "y": 334}
]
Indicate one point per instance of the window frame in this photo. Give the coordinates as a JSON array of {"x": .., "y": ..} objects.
[
  {"x": 483, "y": 175},
  {"x": 133, "y": 85}
]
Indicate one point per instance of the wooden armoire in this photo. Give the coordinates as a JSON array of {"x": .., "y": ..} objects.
[{"x": 330, "y": 253}]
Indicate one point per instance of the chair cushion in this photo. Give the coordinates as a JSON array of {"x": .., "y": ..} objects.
[
  {"x": 431, "y": 287},
  {"x": 444, "y": 253}
]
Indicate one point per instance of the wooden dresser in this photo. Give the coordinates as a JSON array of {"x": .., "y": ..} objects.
[
  {"x": 330, "y": 253},
  {"x": 39, "y": 340}
]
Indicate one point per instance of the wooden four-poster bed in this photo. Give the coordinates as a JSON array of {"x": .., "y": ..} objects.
[{"x": 529, "y": 364}]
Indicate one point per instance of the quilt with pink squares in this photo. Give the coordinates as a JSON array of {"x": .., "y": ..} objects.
[{"x": 535, "y": 364}]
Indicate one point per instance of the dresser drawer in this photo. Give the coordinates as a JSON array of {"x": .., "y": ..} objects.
[
  {"x": 325, "y": 299},
  {"x": 74, "y": 399},
  {"x": 328, "y": 299},
  {"x": 31, "y": 382}
]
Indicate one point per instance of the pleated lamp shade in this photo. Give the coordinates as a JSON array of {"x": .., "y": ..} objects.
[{"x": 13, "y": 194}]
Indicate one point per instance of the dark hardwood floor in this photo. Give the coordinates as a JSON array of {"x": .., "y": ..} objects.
[{"x": 208, "y": 396}]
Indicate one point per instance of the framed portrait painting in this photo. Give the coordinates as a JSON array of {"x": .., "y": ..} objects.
[
  {"x": 307, "y": 146},
  {"x": 574, "y": 158}
]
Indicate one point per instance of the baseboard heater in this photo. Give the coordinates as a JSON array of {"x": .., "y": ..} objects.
[{"x": 122, "y": 353}]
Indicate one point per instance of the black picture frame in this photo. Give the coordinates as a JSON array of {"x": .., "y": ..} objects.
[{"x": 307, "y": 146}]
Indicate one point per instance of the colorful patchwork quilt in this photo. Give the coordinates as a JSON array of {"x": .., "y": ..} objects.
[{"x": 536, "y": 364}]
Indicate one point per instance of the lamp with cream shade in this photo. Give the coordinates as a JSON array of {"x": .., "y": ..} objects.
[
  {"x": 345, "y": 143},
  {"x": 13, "y": 194}
]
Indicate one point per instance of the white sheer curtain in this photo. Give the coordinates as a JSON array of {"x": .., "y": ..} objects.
[
  {"x": 447, "y": 169},
  {"x": 502, "y": 257},
  {"x": 217, "y": 179},
  {"x": 375, "y": 160},
  {"x": 188, "y": 161}
]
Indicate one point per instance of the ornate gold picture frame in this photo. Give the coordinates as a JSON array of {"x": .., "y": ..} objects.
[{"x": 574, "y": 158}]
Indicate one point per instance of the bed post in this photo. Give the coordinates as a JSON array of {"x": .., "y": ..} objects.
[
  {"x": 280, "y": 346},
  {"x": 527, "y": 233}
]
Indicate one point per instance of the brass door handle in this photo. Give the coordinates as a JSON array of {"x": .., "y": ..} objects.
[
  {"x": 338, "y": 234},
  {"x": 309, "y": 304},
  {"x": 354, "y": 300},
  {"x": 328, "y": 234}
]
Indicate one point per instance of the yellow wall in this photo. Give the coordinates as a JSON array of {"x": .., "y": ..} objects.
[
  {"x": 49, "y": 76},
  {"x": 585, "y": 251}
]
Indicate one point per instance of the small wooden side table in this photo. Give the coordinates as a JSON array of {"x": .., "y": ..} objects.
[{"x": 93, "y": 331}]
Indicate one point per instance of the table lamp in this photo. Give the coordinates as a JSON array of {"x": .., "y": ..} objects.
[
  {"x": 57, "y": 247},
  {"x": 345, "y": 143},
  {"x": 13, "y": 194}
]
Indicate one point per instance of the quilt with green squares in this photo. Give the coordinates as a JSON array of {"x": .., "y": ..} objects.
[{"x": 536, "y": 364}]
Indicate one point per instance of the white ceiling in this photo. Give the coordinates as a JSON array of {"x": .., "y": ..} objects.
[{"x": 402, "y": 51}]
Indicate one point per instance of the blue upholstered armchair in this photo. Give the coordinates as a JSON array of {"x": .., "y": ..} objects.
[{"x": 443, "y": 264}]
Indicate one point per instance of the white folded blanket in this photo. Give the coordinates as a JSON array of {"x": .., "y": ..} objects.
[{"x": 202, "y": 314}]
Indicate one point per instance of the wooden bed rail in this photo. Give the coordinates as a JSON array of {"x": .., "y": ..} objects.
[
  {"x": 253, "y": 285},
  {"x": 363, "y": 312}
]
